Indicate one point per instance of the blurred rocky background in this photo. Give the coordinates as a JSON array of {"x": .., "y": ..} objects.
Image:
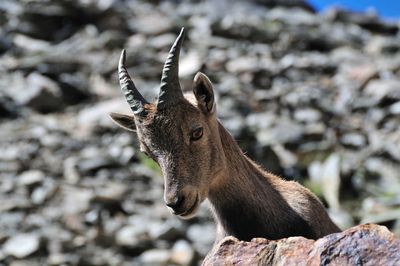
[{"x": 313, "y": 97}]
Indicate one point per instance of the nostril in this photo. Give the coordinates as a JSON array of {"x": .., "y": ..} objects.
[
  {"x": 180, "y": 201},
  {"x": 176, "y": 203}
]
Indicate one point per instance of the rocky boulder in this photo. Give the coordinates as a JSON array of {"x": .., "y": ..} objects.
[{"x": 367, "y": 244}]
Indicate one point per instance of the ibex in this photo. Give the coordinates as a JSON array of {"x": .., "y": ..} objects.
[{"x": 200, "y": 160}]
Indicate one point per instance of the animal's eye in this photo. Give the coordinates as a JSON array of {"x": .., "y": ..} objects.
[
  {"x": 145, "y": 151},
  {"x": 196, "y": 134}
]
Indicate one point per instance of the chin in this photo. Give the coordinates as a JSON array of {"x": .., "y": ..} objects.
[
  {"x": 191, "y": 212},
  {"x": 187, "y": 216}
]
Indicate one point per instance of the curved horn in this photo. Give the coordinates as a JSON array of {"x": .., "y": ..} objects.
[
  {"x": 170, "y": 89},
  {"x": 132, "y": 95}
]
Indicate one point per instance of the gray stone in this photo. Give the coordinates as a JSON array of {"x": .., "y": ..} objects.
[
  {"x": 327, "y": 176},
  {"x": 353, "y": 139},
  {"x": 131, "y": 236},
  {"x": 155, "y": 257},
  {"x": 40, "y": 93},
  {"x": 166, "y": 231},
  {"x": 380, "y": 89},
  {"x": 182, "y": 253},
  {"x": 257, "y": 121},
  {"x": 302, "y": 96},
  {"x": 341, "y": 218},
  {"x": 387, "y": 171},
  {"x": 395, "y": 108},
  {"x": 8, "y": 107},
  {"x": 43, "y": 193},
  {"x": 381, "y": 45},
  {"x": 367, "y": 20},
  {"x": 373, "y": 210},
  {"x": 7, "y": 184},
  {"x": 202, "y": 236},
  {"x": 331, "y": 180},
  {"x": 22, "y": 245},
  {"x": 190, "y": 64},
  {"x": 31, "y": 177},
  {"x": 152, "y": 23},
  {"x": 94, "y": 164},
  {"x": 295, "y": 16},
  {"x": 391, "y": 146},
  {"x": 76, "y": 200},
  {"x": 307, "y": 115},
  {"x": 94, "y": 116},
  {"x": 30, "y": 44},
  {"x": 160, "y": 41},
  {"x": 283, "y": 132},
  {"x": 242, "y": 64}
]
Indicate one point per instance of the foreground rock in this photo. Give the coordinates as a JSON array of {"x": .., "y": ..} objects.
[{"x": 360, "y": 245}]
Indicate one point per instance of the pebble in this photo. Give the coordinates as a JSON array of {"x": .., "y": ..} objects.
[
  {"x": 155, "y": 257},
  {"x": 307, "y": 115},
  {"x": 22, "y": 245},
  {"x": 331, "y": 180},
  {"x": 190, "y": 64},
  {"x": 242, "y": 64},
  {"x": 41, "y": 93},
  {"x": 380, "y": 89},
  {"x": 202, "y": 236},
  {"x": 353, "y": 139},
  {"x": 182, "y": 253},
  {"x": 131, "y": 236},
  {"x": 395, "y": 108},
  {"x": 76, "y": 200},
  {"x": 31, "y": 177},
  {"x": 94, "y": 164},
  {"x": 166, "y": 231},
  {"x": 151, "y": 23},
  {"x": 282, "y": 132},
  {"x": 43, "y": 193}
]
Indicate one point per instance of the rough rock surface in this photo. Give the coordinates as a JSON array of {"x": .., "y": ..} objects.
[{"x": 367, "y": 244}]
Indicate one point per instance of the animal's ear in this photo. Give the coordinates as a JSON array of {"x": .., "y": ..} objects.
[
  {"x": 204, "y": 93},
  {"x": 125, "y": 121}
]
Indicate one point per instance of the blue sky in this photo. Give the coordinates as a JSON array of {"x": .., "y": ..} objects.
[{"x": 386, "y": 8}]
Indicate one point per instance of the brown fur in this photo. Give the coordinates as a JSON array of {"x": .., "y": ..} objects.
[
  {"x": 269, "y": 206},
  {"x": 246, "y": 201}
]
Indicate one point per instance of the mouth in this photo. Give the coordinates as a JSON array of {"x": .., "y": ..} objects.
[{"x": 189, "y": 213}]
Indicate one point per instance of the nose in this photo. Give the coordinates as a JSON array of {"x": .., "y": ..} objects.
[{"x": 175, "y": 202}]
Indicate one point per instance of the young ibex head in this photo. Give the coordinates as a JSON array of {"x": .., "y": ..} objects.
[{"x": 178, "y": 132}]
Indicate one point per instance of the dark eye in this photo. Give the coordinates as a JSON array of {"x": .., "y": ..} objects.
[
  {"x": 196, "y": 134},
  {"x": 145, "y": 151}
]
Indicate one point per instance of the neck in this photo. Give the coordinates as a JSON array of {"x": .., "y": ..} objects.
[
  {"x": 239, "y": 171},
  {"x": 244, "y": 198}
]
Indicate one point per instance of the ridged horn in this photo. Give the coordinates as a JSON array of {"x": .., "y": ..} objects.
[
  {"x": 133, "y": 97},
  {"x": 170, "y": 89}
]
